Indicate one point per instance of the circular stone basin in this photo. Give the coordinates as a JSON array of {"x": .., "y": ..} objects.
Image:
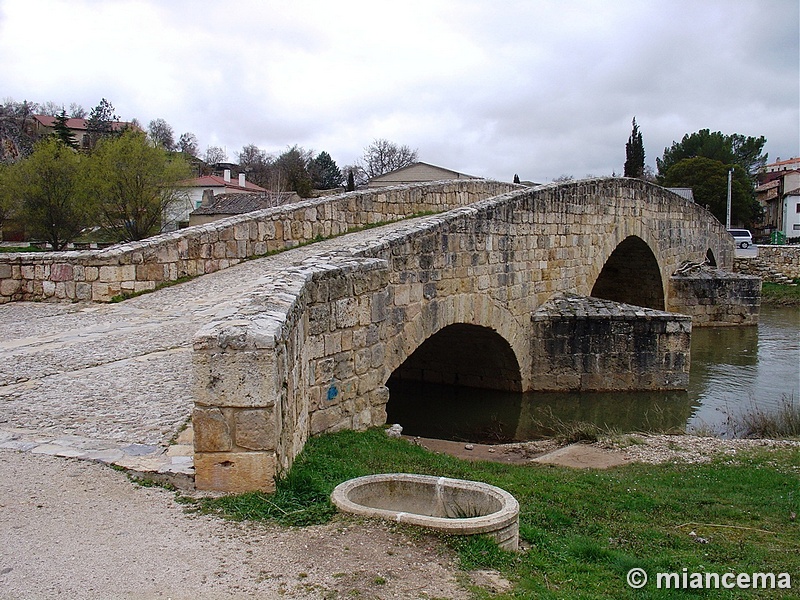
[{"x": 452, "y": 506}]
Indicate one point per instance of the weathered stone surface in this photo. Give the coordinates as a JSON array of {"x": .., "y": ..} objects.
[
  {"x": 235, "y": 472},
  {"x": 255, "y": 429},
  {"x": 211, "y": 430}
]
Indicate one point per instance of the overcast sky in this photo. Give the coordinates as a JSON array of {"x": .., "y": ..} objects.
[{"x": 487, "y": 88}]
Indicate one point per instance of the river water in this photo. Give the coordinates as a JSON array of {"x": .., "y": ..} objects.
[{"x": 733, "y": 369}]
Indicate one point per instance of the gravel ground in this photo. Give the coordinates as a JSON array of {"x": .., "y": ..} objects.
[{"x": 76, "y": 529}]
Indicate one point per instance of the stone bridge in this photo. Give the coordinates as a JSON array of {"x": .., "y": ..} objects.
[{"x": 569, "y": 286}]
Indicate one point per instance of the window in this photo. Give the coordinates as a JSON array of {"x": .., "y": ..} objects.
[
  {"x": 796, "y": 226},
  {"x": 797, "y": 208}
]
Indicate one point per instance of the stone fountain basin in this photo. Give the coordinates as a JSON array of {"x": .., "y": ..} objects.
[{"x": 453, "y": 506}]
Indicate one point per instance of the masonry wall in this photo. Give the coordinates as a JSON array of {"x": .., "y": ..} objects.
[
  {"x": 716, "y": 298},
  {"x": 593, "y": 345},
  {"x": 140, "y": 266},
  {"x": 772, "y": 263}
]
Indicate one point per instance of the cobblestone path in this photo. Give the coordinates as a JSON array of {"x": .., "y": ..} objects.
[{"x": 119, "y": 372}]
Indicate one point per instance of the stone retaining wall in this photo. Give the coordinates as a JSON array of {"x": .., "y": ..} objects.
[
  {"x": 779, "y": 260},
  {"x": 140, "y": 266}
]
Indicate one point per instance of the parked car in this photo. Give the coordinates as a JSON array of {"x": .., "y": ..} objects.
[{"x": 742, "y": 237}]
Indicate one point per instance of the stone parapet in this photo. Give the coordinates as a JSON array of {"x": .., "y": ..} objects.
[{"x": 100, "y": 275}]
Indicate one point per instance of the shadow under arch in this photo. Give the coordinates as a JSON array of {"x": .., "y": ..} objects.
[
  {"x": 466, "y": 355},
  {"x": 710, "y": 258},
  {"x": 631, "y": 275}
]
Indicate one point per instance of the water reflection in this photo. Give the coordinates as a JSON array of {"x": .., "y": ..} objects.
[
  {"x": 468, "y": 414},
  {"x": 733, "y": 368}
]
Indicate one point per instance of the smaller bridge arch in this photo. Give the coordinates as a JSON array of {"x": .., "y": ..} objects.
[{"x": 631, "y": 275}]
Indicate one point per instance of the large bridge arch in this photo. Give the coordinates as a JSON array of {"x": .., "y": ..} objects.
[{"x": 455, "y": 319}]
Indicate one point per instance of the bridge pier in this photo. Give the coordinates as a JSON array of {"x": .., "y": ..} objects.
[{"x": 580, "y": 343}]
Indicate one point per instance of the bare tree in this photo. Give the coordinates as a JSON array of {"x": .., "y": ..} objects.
[
  {"x": 187, "y": 144},
  {"x": 215, "y": 154},
  {"x": 383, "y": 156},
  {"x": 161, "y": 134}
]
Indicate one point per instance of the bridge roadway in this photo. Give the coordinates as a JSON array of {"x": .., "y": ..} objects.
[{"x": 112, "y": 381}]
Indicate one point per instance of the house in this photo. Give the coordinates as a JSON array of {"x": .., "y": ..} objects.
[
  {"x": 226, "y": 205},
  {"x": 779, "y": 196},
  {"x": 44, "y": 125},
  {"x": 177, "y": 215},
  {"x": 416, "y": 173}
]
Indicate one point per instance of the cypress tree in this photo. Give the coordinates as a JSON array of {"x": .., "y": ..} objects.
[
  {"x": 351, "y": 182},
  {"x": 634, "y": 153}
]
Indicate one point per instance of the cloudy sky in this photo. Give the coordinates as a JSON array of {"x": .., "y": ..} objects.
[{"x": 489, "y": 88}]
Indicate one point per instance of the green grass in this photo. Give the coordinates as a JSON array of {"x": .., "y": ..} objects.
[
  {"x": 584, "y": 529},
  {"x": 776, "y": 294},
  {"x": 21, "y": 249}
]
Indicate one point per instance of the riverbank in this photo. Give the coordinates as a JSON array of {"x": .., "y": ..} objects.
[
  {"x": 776, "y": 294},
  {"x": 704, "y": 504}
]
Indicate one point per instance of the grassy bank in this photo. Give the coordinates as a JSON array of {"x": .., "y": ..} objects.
[
  {"x": 776, "y": 294},
  {"x": 584, "y": 529}
]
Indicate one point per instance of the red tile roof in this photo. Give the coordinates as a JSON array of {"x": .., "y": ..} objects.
[{"x": 207, "y": 181}]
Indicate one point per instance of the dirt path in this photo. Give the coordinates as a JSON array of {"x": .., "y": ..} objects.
[{"x": 80, "y": 530}]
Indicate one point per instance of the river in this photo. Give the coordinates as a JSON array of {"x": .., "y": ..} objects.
[{"x": 733, "y": 369}]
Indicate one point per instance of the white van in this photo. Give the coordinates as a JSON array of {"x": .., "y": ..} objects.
[{"x": 742, "y": 237}]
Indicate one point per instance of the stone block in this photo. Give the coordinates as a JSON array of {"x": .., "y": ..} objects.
[
  {"x": 235, "y": 472},
  {"x": 61, "y": 272},
  {"x": 9, "y": 287},
  {"x": 5, "y": 271},
  {"x": 211, "y": 430},
  {"x": 255, "y": 429}
]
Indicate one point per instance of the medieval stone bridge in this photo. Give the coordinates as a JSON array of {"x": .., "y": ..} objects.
[{"x": 569, "y": 286}]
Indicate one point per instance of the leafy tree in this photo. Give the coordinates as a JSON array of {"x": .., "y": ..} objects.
[
  {"x": 634, "y": 153},
  {"x": 134, "y": 184},
  {"x": 100, "y": 123},
  {"x": 733, "y": 149},
  {"x": 162, "y": 134},
  {"x": 50, "y": 186},
  {"x": 383, "y": 156},
  {"x": 187, "y": 144},
  {"x": 62, "y": 132},
  {"x": 293, "y": 168},
  {"x": 708, "y": 179},
  {"x": 516, "y": 178},
  {"x": 8, "y": 205},
  {"x": 325, "y": 175}
]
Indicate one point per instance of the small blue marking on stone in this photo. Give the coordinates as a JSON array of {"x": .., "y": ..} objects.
[{"x": 332, "y": 392}]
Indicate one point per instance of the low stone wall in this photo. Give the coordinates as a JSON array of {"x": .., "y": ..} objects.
[
  {"x": 586, "y": 344},
  {"x": 140, "y": 266},
  {"x": 773, "y": 263},
  {"x": 716, "y": 298}
]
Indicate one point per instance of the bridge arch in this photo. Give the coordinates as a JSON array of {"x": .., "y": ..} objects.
[
  {"x": 465, "y": 355},
  {"x": 462, "y": 335},
  {"x": 631, "y": 275}
]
